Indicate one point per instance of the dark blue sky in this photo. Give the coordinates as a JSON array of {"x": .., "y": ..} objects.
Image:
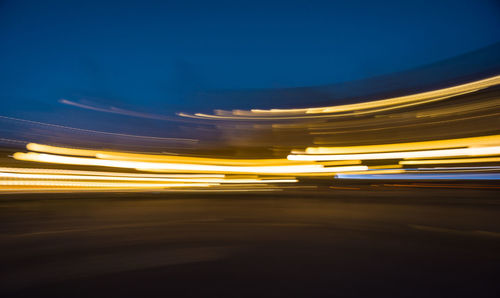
[{"x": 154, "y": 52}]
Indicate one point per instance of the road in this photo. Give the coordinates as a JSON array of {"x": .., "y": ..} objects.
[{"x": 337, "y": 243}]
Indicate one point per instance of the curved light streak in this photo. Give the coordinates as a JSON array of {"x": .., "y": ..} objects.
[{"x": 353, "y": 109}]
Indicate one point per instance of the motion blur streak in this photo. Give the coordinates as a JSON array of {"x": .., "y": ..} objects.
[
  {"x": 162, "y": 158},
  {"x": 49, "y": 158},
  {"x": 356, "y": 109},
  {"x": 448, "y": 161},
  {"x": 423, "y": 176},
  {"x": 440, "y": 144},
  {"x": 209, "y": 180},
  {"x": 72, "y": 172},
  {"x": 96, "y": 184},
  {"x": 397, "y": 138},
  {"x": 89, "y": 131},
  {"x": 396, "y": 155},
  {"x": 59, "y": 150},
  {"x": 115, "y": 110}
]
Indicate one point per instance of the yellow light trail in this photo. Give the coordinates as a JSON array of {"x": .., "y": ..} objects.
[
  {"x": 282, "y": 169},
  {"x": 76, "y": 189},
  {"x": 82, "y": 177},
  {"x": 385, "y": 171},
  {"x": 449, "y": 161},
  {"x": 98, "y": 173},
  {"x": 123, "y": 156},
  {"x": 355, "y": 109},
  {"x": 402, "y": 155},
  {"x": 100, "y": 184},
  {"x": 438, "y": 144},
  {"x": 61, "y": 150},
  {"x": 195, "y": 160},
  {"x": 230, "y": 174}
]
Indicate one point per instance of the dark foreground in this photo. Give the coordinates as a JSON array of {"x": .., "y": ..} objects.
[{"x": 342, "y": 243}]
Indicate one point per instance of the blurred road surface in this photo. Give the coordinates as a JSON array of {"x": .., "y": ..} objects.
[{"x": 340, "y": 243}]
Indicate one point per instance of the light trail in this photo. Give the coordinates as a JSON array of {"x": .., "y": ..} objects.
[
  {"x": 203, "y": 180},
  {"x": 196, "y": 168},
  {"x": 371, "y": 141},
  {"x": 480, "y": 151},
  {"x": 100, "y": 184},
  {"x": 413, "y": 146},
  {"x": 115, "y": 174},
  {"x": 89, "y": 131},
  {"x": 376, "y": 106},
  {"x": 430, "y": 176},
  {"x": 122, "y": 156},
  {"x": 449, "y": 161},
  {"x": 115, "y": 110}
]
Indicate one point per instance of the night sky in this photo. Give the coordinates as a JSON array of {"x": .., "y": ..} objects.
[{"x": 154, "y": 53}]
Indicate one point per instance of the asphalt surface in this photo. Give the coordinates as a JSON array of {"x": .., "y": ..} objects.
[{"x": 338, "y": 243}]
